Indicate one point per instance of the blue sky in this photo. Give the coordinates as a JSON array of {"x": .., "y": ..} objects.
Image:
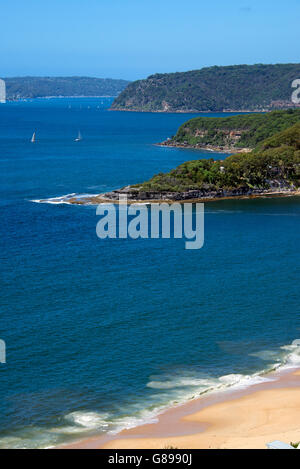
[{"x": 132, "y": 39}]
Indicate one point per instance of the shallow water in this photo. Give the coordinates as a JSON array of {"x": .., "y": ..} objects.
[{"x": 101, "y": 334}]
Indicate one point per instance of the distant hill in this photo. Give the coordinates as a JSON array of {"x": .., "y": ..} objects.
[
  {"x": 38, "y": 87},
  {"x": 232, "y": 88}
]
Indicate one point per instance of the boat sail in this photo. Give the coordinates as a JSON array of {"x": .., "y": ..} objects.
[
  {"x": 33, "y": 138},
  {"x": 79, "y": 137}
]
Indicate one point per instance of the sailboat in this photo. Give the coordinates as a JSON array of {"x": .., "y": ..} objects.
[
  {"x": 33, "y": 138},
  {"x": 79, "y": 137}
]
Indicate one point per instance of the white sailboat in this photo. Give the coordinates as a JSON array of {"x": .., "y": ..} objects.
[
  {"x": 33, "y": 138},
  {"x": 79, "y": 137}
]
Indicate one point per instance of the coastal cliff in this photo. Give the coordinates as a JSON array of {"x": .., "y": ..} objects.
[
  {"x": 231, "y": 88},
  {"x": 232, "y": 134}
]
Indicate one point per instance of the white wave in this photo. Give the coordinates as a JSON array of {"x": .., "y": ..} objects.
[
  {"x": 64, "y": 199},
  {"x": 194, "y": 388},
  {"x": 66, "y": 430},
  {"x": 144, "y": 417},
  {"x": 243, "y": 381},
  {"x": 55, "y": 200},
  {"x": 181, "y": 382},
  {"x": 11, "y": 442},
  {"x": 292, "y": 359},
  {"x": 36, "y": 438},
  {"x": 84, "y": 196},
  {"x": 142, "y": 203},
  {"x": 88, "y": 420},
  {"x": 266, "y": 355}
]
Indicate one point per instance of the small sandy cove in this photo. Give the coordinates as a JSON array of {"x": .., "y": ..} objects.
[{"x": 246, "y": 418}]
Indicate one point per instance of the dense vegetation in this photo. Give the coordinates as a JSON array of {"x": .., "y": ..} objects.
[
  {"x": 238, "y": 87},
  {"x": 36, "y": 87},
  {"x": 275, "y": 163},
  {"x": 241, "y": 131}
]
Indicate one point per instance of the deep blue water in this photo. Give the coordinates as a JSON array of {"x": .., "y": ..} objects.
[{"x": 101, "y": 333}]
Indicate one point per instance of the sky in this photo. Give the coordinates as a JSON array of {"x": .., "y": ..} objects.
[{"x": 132, "y": 39}]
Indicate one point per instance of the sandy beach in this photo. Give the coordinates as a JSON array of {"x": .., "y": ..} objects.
[{"x": 235, "y": 419}]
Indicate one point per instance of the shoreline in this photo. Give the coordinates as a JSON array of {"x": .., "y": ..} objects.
[
  {"x": 212, "y": 149},
  {"x": 192, "y": 111},
  {"x": 28, "y": 98},
  {"x": 239, "y": 418},
  {"x": 101, "y": 199}
]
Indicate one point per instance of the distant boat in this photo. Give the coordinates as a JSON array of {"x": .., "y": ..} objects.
[
  {"x": 79, "y": 137},
  {"x": 33, "y": 138}
]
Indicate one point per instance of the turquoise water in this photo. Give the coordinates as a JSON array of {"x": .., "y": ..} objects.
[{"x": 101, "y": 334}]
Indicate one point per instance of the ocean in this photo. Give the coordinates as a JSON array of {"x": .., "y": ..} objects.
[{"x": 103, "y": 334}]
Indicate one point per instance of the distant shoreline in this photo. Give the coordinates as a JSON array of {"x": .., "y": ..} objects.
[
  {"x": 62, "y": 97},
  {"x": 192, "y": 111},
  {"x": 55, "y": 97}
]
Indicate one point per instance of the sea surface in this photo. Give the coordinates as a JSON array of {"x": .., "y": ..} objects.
[{"x": 102, "y": 334}]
